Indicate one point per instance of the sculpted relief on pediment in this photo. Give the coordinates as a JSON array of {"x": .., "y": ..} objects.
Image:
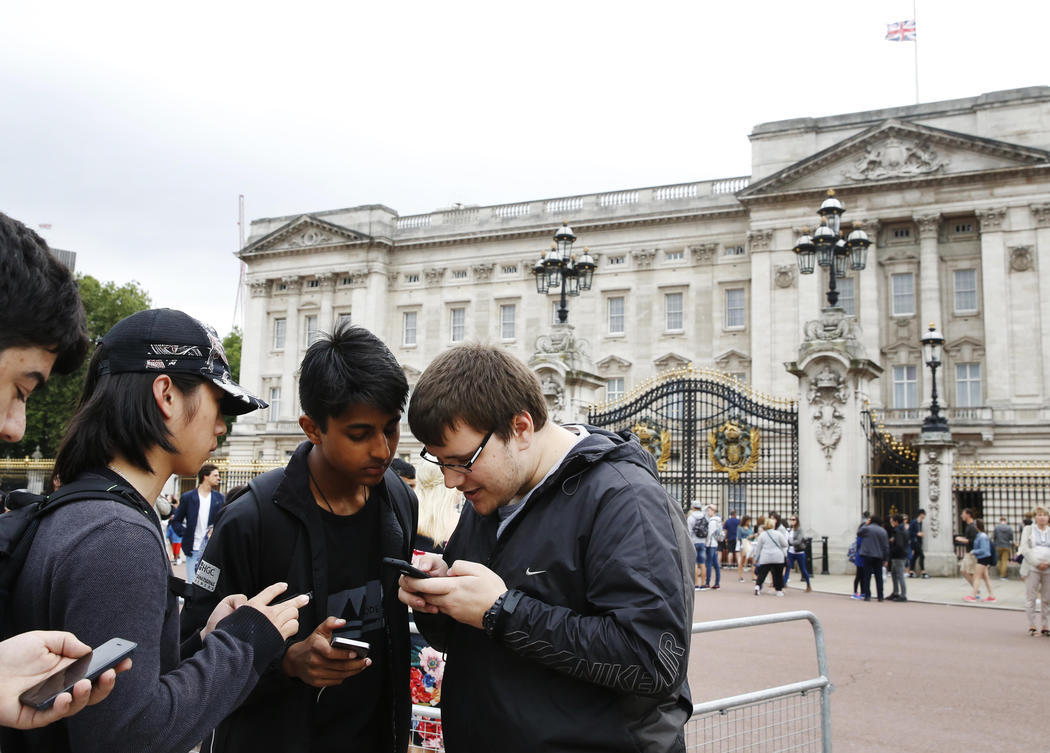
[{"x": 896, "y": 158}]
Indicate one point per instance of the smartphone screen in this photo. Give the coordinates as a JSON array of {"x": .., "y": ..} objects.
[
  {"x": 109, "y": 654},
  {"x": 405, "y": 568}
]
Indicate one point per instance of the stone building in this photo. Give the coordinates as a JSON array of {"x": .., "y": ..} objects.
[{"x": 955, "y": 196}]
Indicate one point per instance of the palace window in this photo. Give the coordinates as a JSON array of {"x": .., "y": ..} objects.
[
  {"x": 673, "y": 312},
  {"x": 736, "y": 250},
  {"x": 408, "y": 328},
  {"x": 674, "y": 255},
  {"x": 507, "y": 314},
  {"x": 905, "y": 387},
  {"x": 412, "y": 278},
  {"x": 614, "y": 388},
  {"x": 616, "y": 315},
  {"x": 315, "y": 283},
  {"x": 965, "y": 291},
  {"x": 310, "y": 330},
  {"x": 847, "y": 296},
  {"x": 343, "y": 320},
  {"x": 509, "y": 269},
  {"x": 736, "y": 308},
  {"x": 275, "y": 404},
  {"x": 903, "y": 291},
  {"x": 459, "y": 274},
  {"x": 457, "y": 324},
  {"x": 278, "y": 334},
  {"x": 968, "y": 385},
  {"x": 614, "y": 260}
]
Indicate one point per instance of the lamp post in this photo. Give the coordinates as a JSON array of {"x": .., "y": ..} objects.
[
  {"x": 932, "y": 343},
  {"x": 831, "y": 247},
  {"x": 559, "y": 268}
]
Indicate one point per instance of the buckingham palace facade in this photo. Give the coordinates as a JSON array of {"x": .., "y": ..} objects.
[{"x": 954, "y": 195}]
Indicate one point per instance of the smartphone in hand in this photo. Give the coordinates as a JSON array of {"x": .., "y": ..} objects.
[
  {"x": 361, "y": 648},
  {"x": 89, "y": 666},
  {"x": 405, "y": 568}
]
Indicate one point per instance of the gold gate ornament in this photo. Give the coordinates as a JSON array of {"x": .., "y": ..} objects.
[{"x": 734, "y": 448}]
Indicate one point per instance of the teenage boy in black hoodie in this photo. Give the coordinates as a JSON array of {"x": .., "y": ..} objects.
[{"x": 323, "y": 524}]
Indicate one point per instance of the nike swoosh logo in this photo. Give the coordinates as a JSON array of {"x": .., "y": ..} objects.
[{"x": 534, "y": 572}]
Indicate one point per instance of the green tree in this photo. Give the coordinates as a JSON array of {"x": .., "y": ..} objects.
[
  {"x": 49, "y": 410},
  {"x": 232, "y": 345}
]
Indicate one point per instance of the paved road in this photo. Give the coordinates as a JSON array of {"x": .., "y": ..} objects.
[{"x": 908, "y": 678}]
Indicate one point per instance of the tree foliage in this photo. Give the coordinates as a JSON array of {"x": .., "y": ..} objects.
[
  {"x": 49, "y": 409},
  {"x": 232, "y": 345}
]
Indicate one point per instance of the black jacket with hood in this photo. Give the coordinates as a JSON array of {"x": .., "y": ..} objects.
[
  {"x": 595, "y": 655},
  {"x": 259, "y": 542}
]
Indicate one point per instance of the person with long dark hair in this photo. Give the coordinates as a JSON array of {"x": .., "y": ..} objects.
[
  {"x": 153, "y": 403},
  {"x": 796, "y": 551}
]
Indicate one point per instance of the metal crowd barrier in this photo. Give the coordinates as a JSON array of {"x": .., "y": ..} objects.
[{"x": 792, "y": 718}]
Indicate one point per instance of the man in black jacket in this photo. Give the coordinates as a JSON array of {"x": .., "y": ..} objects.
[
  {"x": 323, "y": 525},
  {"x": 564, "y": 599}
]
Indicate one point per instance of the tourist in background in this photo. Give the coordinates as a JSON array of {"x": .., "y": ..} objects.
[
  {"x": 770, "y": 552},
  {"x": 982, "y": 550},
  {"x": 1035, "y": 568},
  {"x": 796, "y": 551}
]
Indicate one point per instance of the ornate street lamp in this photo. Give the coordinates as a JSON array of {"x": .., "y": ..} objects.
[
  {"x": 559, "y": 268},
  {"x": 831, "y": 248},
  {"x": 932, "y": 343}
]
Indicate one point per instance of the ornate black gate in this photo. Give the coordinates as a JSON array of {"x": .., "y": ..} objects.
[
  {"x": 893, "y": 485},
  {"x": 714, "y": 439}
]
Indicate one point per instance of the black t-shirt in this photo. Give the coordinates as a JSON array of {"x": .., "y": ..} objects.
[
  {"x": 353, "y": 716},
  {"x": 971, "y": 536}
]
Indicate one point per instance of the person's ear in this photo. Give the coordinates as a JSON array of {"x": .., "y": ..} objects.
[
  {"x": 164, "y": 395},
  {"x": 311, "y": 429},
  {"x": 522, "y": 428}
]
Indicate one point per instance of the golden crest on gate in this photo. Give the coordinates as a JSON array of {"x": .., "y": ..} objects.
[
  {"x": 734, "y": 448},
  {"x": 657, "y": 441}
]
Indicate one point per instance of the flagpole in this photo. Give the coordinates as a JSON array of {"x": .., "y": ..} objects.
[{"x": 915, "y": 20}]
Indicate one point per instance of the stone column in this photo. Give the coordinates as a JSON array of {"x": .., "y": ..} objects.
[
  {"x": 993, "y": 274},
  {"x": 254, "y": 350},
  {"x": 762, "y": 311},
  {"x": 325, "y": 323},
  {"x": 1041, "y": 215},
  {"x": 929, "y": 289},
  {"x": 834, "y": 378},
  {"x": 936, "y": 460},
  {"x": 291, "y": 348}
]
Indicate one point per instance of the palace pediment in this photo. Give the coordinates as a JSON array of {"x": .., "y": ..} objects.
[
  {"x": 304, "y": 232},
  {"x": 894, "y": 152}
]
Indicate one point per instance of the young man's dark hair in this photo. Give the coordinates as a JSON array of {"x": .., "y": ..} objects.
[
  {"x": 349, "y": 367},
  {"x": 323, "y": 524},
  {"x": 205, "y": 470},
  {"x": 403, "y": 468},
  {"x": 897, "y": 518},
  {"x": 482, "y": 386},
  {"x": 39, "y": 300}
]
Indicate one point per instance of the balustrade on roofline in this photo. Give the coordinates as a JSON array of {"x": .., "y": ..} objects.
[{"x": 564, "y": 205}]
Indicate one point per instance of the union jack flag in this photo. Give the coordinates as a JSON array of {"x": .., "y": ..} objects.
[{"x": 901, "y": 31}]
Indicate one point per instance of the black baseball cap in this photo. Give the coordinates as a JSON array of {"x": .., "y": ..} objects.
[{"x": 165, "y": 341}]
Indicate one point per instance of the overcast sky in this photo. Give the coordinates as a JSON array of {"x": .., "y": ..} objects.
[{"x": 131, "y": 128}]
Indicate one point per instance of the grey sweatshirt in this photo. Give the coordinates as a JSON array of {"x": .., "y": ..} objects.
[{"x": 100, "y": 570}]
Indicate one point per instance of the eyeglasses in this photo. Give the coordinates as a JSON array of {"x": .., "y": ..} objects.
[{"x": 457, "y": 467}]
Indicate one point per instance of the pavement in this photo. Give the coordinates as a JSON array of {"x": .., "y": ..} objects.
[
  {"x": 1009, "y": 593},
  {"x": 907, "y": 677}
]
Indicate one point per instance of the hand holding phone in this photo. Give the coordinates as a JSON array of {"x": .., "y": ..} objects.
[
  {"x": 405, "y": 568},
  {"x": 111, "y": 653}
]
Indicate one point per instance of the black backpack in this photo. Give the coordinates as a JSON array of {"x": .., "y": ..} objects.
[
  {"x": 18, "y": 527},
  {"x": 700, "y": 527}
]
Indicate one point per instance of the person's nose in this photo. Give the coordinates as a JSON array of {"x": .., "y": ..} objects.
[{"x": 13, "y": 426}]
